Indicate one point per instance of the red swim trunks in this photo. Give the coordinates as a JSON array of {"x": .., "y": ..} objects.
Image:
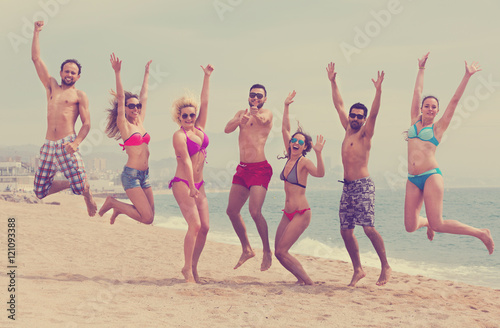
[{"x": 253, "y": 174}]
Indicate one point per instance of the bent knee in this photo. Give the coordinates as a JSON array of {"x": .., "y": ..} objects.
[
  {"x": 78, "y": 188},
  {"x": 280, "y": 253},
  {"x": 204, "y": 229},
  {"x": 41, "y": 194},
  {"x": 147, "y": 218},
  {"x": 255, "y": 214}
]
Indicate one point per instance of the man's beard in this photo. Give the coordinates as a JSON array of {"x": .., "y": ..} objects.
[
  {"x": 259, "y": 106},
  {"x": 355, "y": 125},
  {"x": 63, "y": 81}
]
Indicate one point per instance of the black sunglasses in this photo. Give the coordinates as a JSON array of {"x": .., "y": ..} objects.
[
  {"x": 132, "y": 106},
  {"x": 192, "y": 115},
  {"x": 258, "y": 95},
  {"x": 359, "y": 116}
]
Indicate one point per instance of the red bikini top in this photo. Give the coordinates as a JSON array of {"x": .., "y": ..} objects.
[{"x": 136, "y": 140}]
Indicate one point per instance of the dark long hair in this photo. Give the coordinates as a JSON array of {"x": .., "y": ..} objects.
[
  {"x": 308, "y": 143},
  {"x": 111, "y": 128}
]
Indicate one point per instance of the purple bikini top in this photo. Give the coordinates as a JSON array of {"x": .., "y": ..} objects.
[{"x": 193, "y": 147}]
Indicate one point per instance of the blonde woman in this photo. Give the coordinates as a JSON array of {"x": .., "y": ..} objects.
[
  {"x": 125, "y": 121},
  {"x": 190, "y": 143}
]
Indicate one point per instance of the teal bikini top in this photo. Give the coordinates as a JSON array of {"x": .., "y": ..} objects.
[{"x": 426, "y": 134}]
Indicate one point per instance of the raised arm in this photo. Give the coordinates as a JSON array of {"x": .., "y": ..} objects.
[
  {"x": 41, "y": 69},
  {"x": 337, "y": 99},
  {"x": 121, "y": 120},
  {"x": 445, "y": 120},
  {"x": 318, "y": 171},
  {"x": 201, "y": 121},
  {"x": 419, "y": 86},
  {"x": 285, "y": 125},
  {"x": 181, "y": 152},
  {"x": 241, "y": 117},
  {"x": 369, "y": 128},
  {"x": 143, "y": 96}
]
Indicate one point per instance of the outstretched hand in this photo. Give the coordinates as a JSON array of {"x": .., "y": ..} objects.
[
  {"x": 207, "y": 69},
  {"x": 423, "y": 60},
  {"x": 472, "y": 68},
  {"x": 147, "y": 66},
  {"x": 290, "y": 97},
  {"x": 380, "y": 79},
  {"x": 116, "y": 63},
  {"x": 38, "y": 26},
  {"x": 320, "y": 142},
  {"x": 330, "y": 69}
]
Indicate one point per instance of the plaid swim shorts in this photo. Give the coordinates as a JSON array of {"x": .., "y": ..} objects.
[{"x": 53, "y": 157}]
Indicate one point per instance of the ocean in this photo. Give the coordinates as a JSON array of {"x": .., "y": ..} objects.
[{"x": 448, "y": 257}]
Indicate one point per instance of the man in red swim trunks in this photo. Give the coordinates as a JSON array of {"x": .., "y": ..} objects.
[
  {"x": 60, "y": 150},
  {"x": 252, "y": 174}
]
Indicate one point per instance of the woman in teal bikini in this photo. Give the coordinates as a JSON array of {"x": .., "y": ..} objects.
[
  {"x": 425, "y": 181},
  {"x": 297, "y": 213}
]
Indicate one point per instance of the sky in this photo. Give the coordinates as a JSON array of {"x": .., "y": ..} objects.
[{"x": 285, "y": 45}]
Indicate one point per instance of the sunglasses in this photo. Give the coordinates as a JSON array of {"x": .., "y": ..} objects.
[
  {"x": 359, "y": 116},
  {"x": 294, "y": 140},
  {"x": 184, "y": 116},
  {"x": 132, "y": 106},
  {"x": 258, "y": 95}
]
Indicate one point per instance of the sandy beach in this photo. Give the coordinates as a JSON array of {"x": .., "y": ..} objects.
[{"x": 76, "y": 271}]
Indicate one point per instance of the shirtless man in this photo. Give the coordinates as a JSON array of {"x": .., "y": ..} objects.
[
  {"x": 252, "y": 174},
  {"x": 358, "y": 198},
  {"x": 60, "y": 150}
]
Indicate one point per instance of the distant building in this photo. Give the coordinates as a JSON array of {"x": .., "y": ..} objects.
[{"x": 16, "y": 176}]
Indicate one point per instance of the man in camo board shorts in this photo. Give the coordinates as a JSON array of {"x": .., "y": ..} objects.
[{"x": 358, "y": 197}]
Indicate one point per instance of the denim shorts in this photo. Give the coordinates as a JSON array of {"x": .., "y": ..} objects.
[{"x": 132, "y": 178}]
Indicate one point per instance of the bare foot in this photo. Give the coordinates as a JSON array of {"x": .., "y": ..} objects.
[
  {"x": 188, "y": 275},
  {"x": 430, "y": 233},
  {"x": 488, "y": 240},
  {"x": 300, "y": 282},
  {"x": 195, "y": 275},
  {"x": 267, "y": 259},
  {"x": 357, "y": 276},
  {"x": 89, "y": 201},
  {"x": 113, "y": 217},
  {"x": 244, "y": 257},
  {"x": 385, "y": 274},
  {"x": 108, "y": 204}
]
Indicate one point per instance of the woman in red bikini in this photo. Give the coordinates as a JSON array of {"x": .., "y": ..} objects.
[
  {"x": 297, "y": 213},
  {"x": 125, "y": 121},
  {"x": 190, "y": 143}
]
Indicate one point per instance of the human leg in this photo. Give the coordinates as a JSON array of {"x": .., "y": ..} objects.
[
  {"x": 291, "y": 231},
  {"x": 74, "y": 170},
  {"x": 238, "y": 195},
  {"x": 414, "y": 199},
  {"x": 378, "y": 244},
  {"x": 433, "y": 198},
  {"x": 46, "y": 171},
  {"x": 351, "y": 244},
  {"x": 257, "y": 197},
  {"x": 202, "y": 206},
  {"x": 188, "y": 208}
]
